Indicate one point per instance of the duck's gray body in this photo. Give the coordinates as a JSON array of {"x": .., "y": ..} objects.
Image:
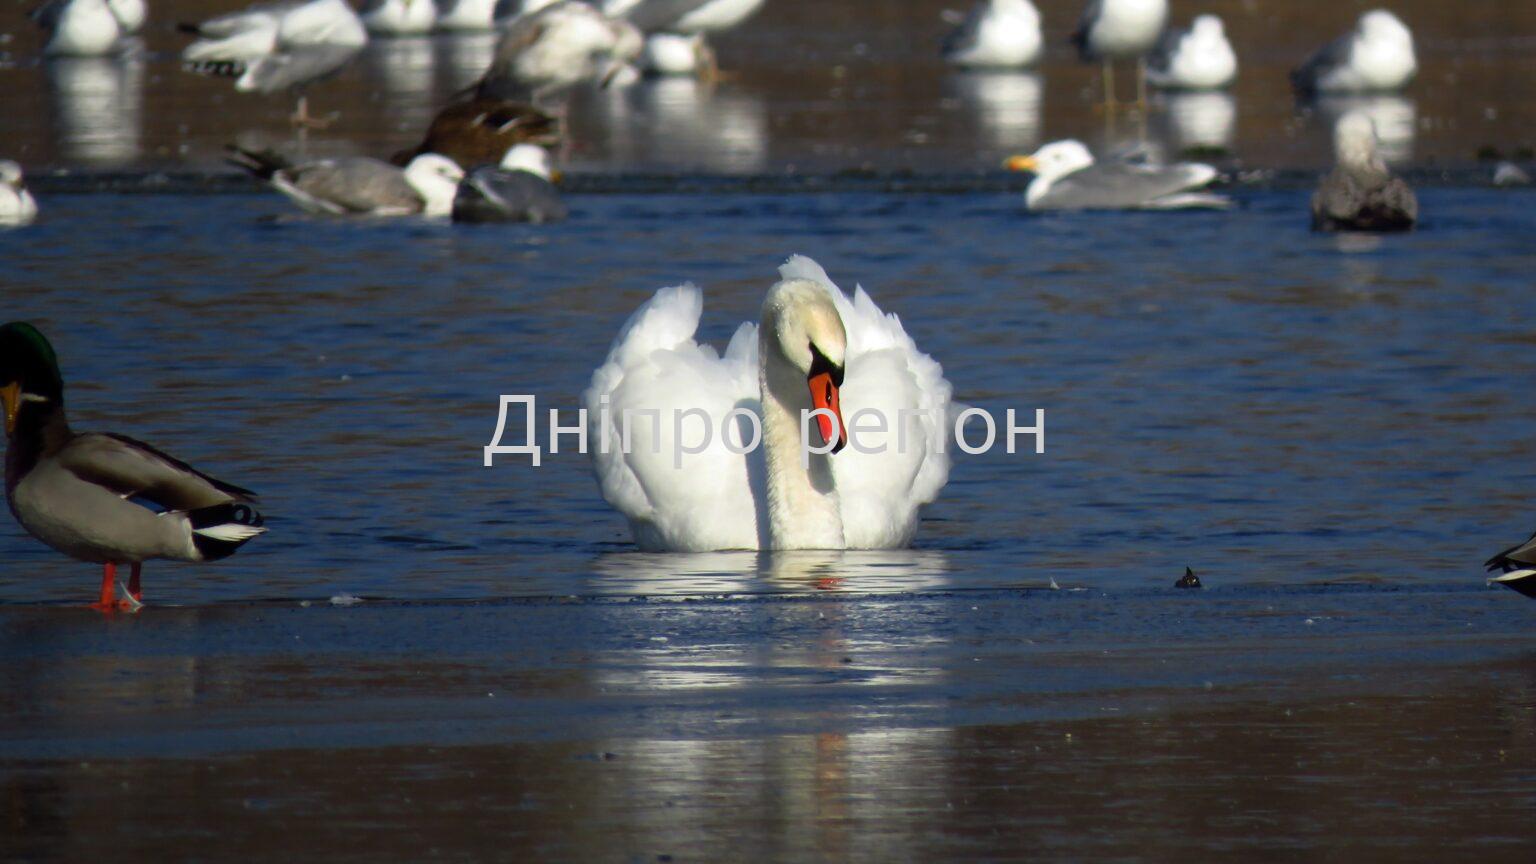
[{"x": 105, "y": 498}]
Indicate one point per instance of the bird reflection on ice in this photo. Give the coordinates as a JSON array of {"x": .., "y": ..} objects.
[
  {"x": 403, "y": 69},
  {"x": 689, "y": 124},
  {"x": 1006, "y": 106},
  {"x": 97, "y": 107},
  {"x": 464, "y": 58},
  {"x": 853, "y": 571},
  {"x": 1200, "y": 120}
]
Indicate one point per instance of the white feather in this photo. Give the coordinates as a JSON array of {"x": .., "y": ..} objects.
[
  {"x": 715, "y": 499},
  {"x": 230, "y": 532}
]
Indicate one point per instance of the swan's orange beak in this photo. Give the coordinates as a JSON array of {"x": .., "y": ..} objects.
[{"x": 824, "y": 395}]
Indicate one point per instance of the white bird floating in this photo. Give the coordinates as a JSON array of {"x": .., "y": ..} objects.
[
  {"x": 813, "y": 348},
  {"x": 17, "y": 206}
]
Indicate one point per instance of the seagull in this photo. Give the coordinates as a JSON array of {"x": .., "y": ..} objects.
[
  {"x": 399, "y": 17},
  {"x": 690, "y": 18},
  {"x": 544, "y": 53},
  {"x": 1360, "y": 194},
  {"x": 1376, "y": 57},
  {"x": 87, "y": 28},
  {"x": 1199, "y": 59},
  {"x": 997, "y": 34},
  {"x": 1518, "y": 567},
  {"x": 278, "y": 46},
  {"x": 1068, "y": 178},
  {"x": 1113, "y": 30},
  {"x": 17, "y": 206},
  {"x": 358, "y": 185},
  {"x": 517, "y": 190}
]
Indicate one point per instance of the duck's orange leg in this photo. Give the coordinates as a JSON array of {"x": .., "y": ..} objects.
[{"x": 108, "y": 599}]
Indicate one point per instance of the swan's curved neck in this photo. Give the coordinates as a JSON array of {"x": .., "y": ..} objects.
[{"x": 803, "y": 511}]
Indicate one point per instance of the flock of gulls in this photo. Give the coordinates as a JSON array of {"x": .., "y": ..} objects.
[{"x": 488, "y": 156}]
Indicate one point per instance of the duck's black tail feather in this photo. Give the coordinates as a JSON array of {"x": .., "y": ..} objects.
[{"x": 219, "y": 530}]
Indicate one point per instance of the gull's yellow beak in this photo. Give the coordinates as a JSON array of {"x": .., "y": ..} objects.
[
  {"x": 556, "y": 176},
  {"x": 10, "y": 395},
  {"x": 1021, "y": 163}
]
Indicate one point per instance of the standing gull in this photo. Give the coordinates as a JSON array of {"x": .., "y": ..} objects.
[
  {"x": 545, "y": 53},
  {"x": 1199, "y": 59},
  {"x": 1113, "y": 30},
  {"x": 997, "y": 34},
  {"x": 278, "y": 46},
  {"x": 1360, "y": 194},
  {"x": 357, "y": 185},
  {"x": 517, "y": 190},
  {"x": 102, "y": 497},
  {"x": 17, "y": 206},
  {"x": 1377, "y": 56},
  {"x": 1068, "y": 178}
]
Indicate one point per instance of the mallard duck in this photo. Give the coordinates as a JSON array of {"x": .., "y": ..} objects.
[
  {"x": 102, "y": 497},
  {"x": 1518, "y": 567}
]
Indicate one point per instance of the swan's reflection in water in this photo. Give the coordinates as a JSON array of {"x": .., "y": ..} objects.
[
  {"x": 1396, "y": 120},
  {"x": 403, "y": 71},
  {"x": 1006, "y": 106},
  {"x": 800, "y": 718},
  {"x": 1204, "y": 121},
  {"x": 687, "y": 124},
  {"x": 463, "y": 58},
  {"x": 98, "y": 107},
  {"x": 853, "y": 571}
]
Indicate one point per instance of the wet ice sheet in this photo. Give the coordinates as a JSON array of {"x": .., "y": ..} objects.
[{"x": 985, "y": 724}]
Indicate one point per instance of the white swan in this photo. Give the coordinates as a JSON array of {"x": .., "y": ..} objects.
[{"x": 814, "y": 348}]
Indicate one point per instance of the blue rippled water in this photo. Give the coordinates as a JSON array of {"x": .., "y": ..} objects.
[{"x": 1223, "y": 390}]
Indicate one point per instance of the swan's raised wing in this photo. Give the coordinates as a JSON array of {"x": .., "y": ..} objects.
[
  {"x": 883, "y": 478},
  {"x": 676, "y": 500}
]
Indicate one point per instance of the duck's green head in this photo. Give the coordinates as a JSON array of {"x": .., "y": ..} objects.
[{"x": 29, "y": 371}]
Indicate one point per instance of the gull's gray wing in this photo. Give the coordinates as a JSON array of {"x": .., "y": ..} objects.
[
  {"x": 490, "y": 194},
  {"x": 231, "y": 23},
  {"x": 1091, "y": 13},
  {"x": 47, "y": 15},
  {"x": 500, "y": 80},
  {"x": 354, "y": 184},
  {"x": 1119, "y": 185},
  {"x": 1304, "y": 78},
  {"x": 652, "y": 15},
  {"x": 295, "y": 67},
  {"x": 964, "y": 35},
  {"x": 1165, "y": 49}
]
